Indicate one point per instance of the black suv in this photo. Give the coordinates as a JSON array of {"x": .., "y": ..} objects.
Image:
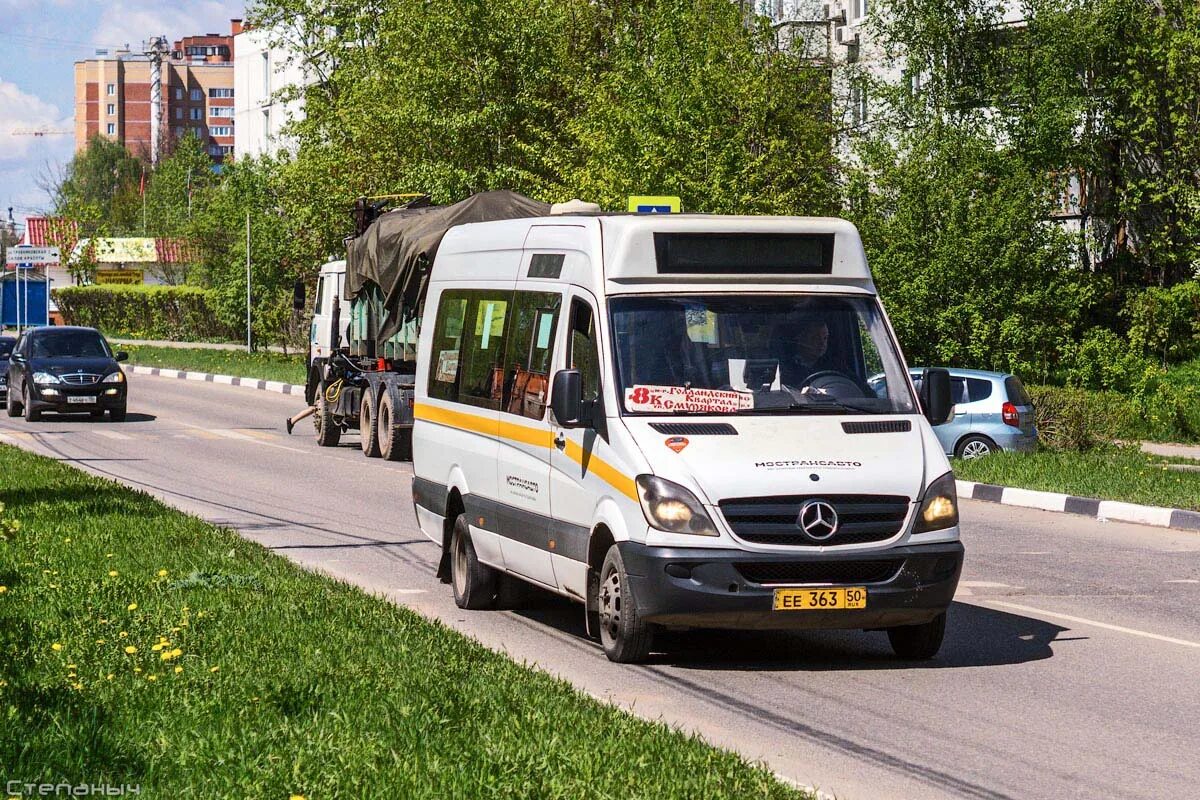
[{"x": 68, "y": 370}]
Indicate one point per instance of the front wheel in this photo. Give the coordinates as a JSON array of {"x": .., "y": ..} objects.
[
  {"x": 918, "y": 642},
  {"x": 11, "y": 406},
  {"x": 626, "y": 637},
  {"x": 117, "y": 414},
  {"x": 329, "y": 432},
  {"x": 474, "y": 582},
  {"x": 31, "y": 413}
]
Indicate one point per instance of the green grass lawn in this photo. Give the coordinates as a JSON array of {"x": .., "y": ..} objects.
[
  {"x": 263, "y": 365},
  {"x": 139, "y": 645},
  {"x": 1111, "y": 473}
]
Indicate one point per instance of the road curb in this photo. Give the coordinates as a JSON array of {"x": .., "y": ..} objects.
[
  {"x": 1102, "y": 510},
  {"x": 227, "y": 380}
]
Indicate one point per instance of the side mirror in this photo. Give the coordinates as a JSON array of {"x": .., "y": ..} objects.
[
  {"x": 566, "y": 398},
  {"x": 935, "y": 396},
  {"x": 298, "y": 295},
  {"x": 121, "y": 355}
]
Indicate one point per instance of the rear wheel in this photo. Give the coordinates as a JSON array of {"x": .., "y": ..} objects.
[
  {"x": 31, "y": 413},
  {"x": 975, "y": 446},
  {"x": 367, "y": 432},
  {"x": 625, "y": 636},
  {"x": 329, "y": 432},
  {"x": 474, "y": 582},
  {"x": 395, "y": 441},
  {"x": 918, "y": 642}
]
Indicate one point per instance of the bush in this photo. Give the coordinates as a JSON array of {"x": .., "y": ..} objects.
[
  {"x": 1104, "y": 360},
  {"x": 1078, "y": 419},
  {"x": 1165, "y": 323},
  {"x": 177, "y": 313}
]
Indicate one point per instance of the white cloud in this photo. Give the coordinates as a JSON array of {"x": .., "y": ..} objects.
[
  {"x": 23, "y": 158},
  {"x": 134, "y": 21}
]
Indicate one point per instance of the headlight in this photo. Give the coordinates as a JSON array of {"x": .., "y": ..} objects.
[
  {"x": 116, "y": 377},
  {"x": 939, "y": 506},
  {"x": 672, "y": 508},
  {"x": 45, "y": 377}
]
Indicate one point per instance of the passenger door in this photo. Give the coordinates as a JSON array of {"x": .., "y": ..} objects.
[
  {"x": 572, "y": 500},
  {"x": 523, "y": 466}
]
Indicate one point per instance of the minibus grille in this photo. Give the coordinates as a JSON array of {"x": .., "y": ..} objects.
[
  {"x": 862, "y": 518},
  {"x": 837, "y": 572}
]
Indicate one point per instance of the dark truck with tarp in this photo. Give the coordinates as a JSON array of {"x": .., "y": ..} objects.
[{"x": 362, "y": 354}]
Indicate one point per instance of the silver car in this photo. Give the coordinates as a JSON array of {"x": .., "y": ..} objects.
[{"x": 992, "y": 411}]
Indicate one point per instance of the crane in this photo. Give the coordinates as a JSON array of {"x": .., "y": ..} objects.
[{"x": 42, "y": 131}]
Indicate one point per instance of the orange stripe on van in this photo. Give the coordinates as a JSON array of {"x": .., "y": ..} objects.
[{"x": 526, "y": 435}]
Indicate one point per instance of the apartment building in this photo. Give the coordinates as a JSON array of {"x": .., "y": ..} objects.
[
  {"x": 263, "y": 74},
  {"x": 113, "y": 95}
]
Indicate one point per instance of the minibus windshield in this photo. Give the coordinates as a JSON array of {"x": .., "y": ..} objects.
[{"x": 756, "y": 354}]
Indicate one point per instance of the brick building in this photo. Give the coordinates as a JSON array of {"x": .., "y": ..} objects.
[{"x": 112, "y": 95}]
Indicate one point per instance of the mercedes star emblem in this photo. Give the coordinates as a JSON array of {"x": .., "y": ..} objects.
[{"x": 818, "y": 520}]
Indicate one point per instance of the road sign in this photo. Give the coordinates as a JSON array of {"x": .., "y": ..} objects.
[
  {"x": 25, "y": 256},
  {"x": 654, "y": 204}
]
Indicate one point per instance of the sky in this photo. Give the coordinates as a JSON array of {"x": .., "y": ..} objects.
[{"x": 40, "y": 41}]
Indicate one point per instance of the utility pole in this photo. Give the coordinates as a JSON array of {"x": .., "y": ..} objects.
[
  {"x": 248, "y": 341},
  {"x": 156, "y": 48}
]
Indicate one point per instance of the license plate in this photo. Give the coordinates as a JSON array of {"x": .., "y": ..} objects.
[
  {"x": 79, "y": 398},
  {"x": 820, "y": 599}
]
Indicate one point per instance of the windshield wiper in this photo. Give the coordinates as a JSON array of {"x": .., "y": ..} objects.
[{"x": 824, "y": 406}]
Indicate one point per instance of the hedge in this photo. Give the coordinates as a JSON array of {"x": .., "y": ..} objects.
[{"x": 176, "y": 313}]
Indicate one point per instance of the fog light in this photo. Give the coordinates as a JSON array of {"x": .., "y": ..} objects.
[
  {"x": 110, "y": 391},
  {"x": 47, "y": 392},
  {"x": 679, "y": 570}
]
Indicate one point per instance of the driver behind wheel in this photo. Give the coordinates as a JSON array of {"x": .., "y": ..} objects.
[{"x": 802, "y": 349}]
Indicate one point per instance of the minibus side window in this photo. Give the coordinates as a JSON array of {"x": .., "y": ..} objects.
[
  {"x": 530, "y": 345},
  {"x": 447, "y": 345},
  {"x": 585, "y": 355},
  {"x": 481, "y": 382}
]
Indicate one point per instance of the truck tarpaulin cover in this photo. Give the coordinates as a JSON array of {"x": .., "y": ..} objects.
[{"x": 394, "y": 251}]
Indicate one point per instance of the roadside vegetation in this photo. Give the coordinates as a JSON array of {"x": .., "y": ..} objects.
[
  {"x": 261, "y": 364},
  {"x": 142, "y": 646},
  {"x": 1105, "y": 473}
]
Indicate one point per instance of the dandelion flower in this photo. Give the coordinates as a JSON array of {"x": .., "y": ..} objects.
[
  {"x": 137, "y": 669},
  {"x": 67, "y": 540},
  {"x": 56, "y": 647},
  {"x": 3, "y": 589},
  {"x": 151, "y": 677},
  {"x": 157, "y": 647},
  {"x": 130, "y": 649},
  {"x": 112, "y": 573},
  {"x": 100, "y": 641},
  {"x": 108, "y": 555},
  {"x": 296, "y": 797},
  {"x": 178, "y": 670},
  {"x": 122, "y": 634},
  {"x": 131, "y": 607},
  {"x": 213, "y": 669},
  {"x": 109, "y": 676},
  {"x": 162, "y": 573}
]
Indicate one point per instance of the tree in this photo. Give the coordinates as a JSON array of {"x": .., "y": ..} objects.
[{"x": 101, "y": 188}]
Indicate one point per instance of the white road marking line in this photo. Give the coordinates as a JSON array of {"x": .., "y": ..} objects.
[
  {"x": 987, "y": 585},
  {"x": 1184, "y": 580},
  {"x": 1083, "y": 621},
  {"x": 409, "y": 591},
  {"x": 112, "y": 434},
  {"x": 1033, "y": 553},
  {"x": 242, "y": 437}
]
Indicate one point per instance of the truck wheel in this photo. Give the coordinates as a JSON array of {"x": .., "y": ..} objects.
[
  {"x": 329, "y": 433},
  {"x": 626, "y": 637},
  {"x": 474, "y": 582},
  {"x": 31, "y": 413},
  {"x": 395, "y": 441},
  {"x": 368, "y": 434},
  {"x": 918, "y": 642}
]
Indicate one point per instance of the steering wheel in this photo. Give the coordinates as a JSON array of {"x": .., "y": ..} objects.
[{"x": 834, "y": 384}]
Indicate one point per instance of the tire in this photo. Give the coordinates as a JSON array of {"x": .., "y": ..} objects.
[
  {"x": 117, "y": 414},
  {"x": 368, "y": 434},
  {"x": 625, "y": 636},
  {"x": 11, "y": 406},
  {"x": 474, "y": 582},
  {"x": 329, "y": 432},
  {"x": 512, "y": 593},
  {"x": 395, "y": 441},
  {"x": 97, "y": 414},
  {"x": 975, "y": 446},
  {"x": 31, "y": 413},
  {"x": 918, "y": 642}
]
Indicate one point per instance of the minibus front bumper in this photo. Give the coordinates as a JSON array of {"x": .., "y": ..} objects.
[{"x": 712, "y": 588}]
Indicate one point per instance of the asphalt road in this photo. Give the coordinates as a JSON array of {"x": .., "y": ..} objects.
[{"x": 1071, "y": 667}]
